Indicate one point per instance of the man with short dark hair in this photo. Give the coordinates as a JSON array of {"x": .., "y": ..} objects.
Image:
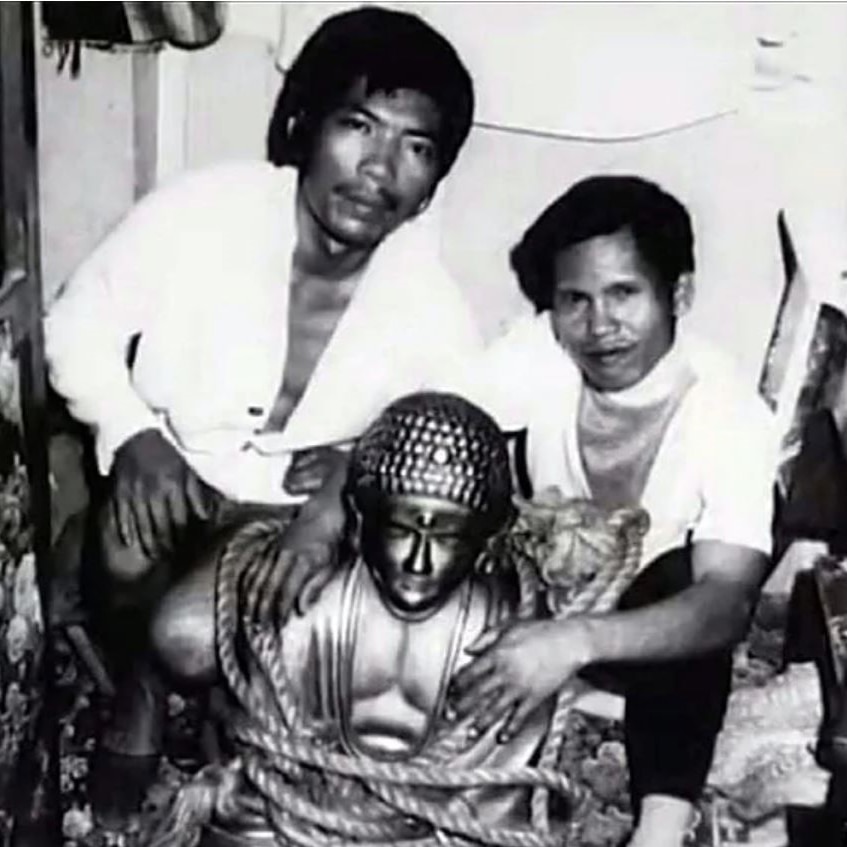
[
  {"x": 624, "y": 407},
  {"x": 267, "y": 310}
]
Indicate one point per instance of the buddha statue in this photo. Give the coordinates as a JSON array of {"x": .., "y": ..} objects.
[
  {"x": 428, "y": 487},
  {"x": 358, "y": 684}
]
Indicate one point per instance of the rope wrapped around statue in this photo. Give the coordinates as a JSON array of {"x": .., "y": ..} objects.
[{"x": 302, "y": 783}]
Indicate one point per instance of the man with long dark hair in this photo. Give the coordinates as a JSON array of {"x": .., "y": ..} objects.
[{"x": 244, "y": 317}]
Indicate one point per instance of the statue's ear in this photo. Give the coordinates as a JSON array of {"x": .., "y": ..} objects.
[
  {"x": 353, "y": 520},
  {"x": 492, "y": 549},
  {"x": 516, "y": 445}
]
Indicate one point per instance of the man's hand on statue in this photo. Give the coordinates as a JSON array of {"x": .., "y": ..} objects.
[
  {"x": 155, "y": 493},
  {"x": 305, "y": 555},
  {"x": 304, "y": 560},
  {"x": 310, "y": 468},
  {"x": 516, "y": 667}
]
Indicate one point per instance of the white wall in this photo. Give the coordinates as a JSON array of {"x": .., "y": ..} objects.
[
  {"x": 215, "y": 102},
  {"x": 735, "y": 129},
  {"x": 85, "y": 157},
  {"x": 130, "y": 112},
  {"x": 681, "y": 93}
]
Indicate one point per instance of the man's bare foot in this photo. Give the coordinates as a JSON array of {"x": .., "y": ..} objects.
[{"x": 664, "y": 822}]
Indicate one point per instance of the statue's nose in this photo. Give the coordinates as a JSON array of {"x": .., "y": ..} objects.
[{"x": 419, "y": 562}]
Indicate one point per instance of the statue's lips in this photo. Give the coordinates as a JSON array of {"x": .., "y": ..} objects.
[{"x": 414, "y": 583}]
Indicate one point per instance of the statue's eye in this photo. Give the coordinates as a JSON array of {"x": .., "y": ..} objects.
[
  {"x": 449, "y": 540},
  {"x": 396, "y": 531}
]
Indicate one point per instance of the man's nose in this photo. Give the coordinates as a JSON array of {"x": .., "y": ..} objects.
[
  {"x": 601, "y": 321},
  {"x": 380, "y": 160},
  {"x": 419, "y": 561}
]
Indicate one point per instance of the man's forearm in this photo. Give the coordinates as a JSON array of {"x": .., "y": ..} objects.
[
  {"x": 100, "y": 395},
  {"x": 709, "y": 615}
]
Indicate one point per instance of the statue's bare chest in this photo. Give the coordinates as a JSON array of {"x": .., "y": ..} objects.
[{"x": 399, "y": 673}]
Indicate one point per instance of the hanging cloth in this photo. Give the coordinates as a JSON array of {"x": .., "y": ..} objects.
[{"x": 69, "y": 26}]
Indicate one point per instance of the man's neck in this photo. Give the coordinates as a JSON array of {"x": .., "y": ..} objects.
[{"x": 318, "y": 254}]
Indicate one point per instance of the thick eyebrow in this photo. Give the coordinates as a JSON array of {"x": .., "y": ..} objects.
[
  {"x": 568, "y": 285},
  {"x": 628, "y": 282},
  {"x": 422, "y": 133},
  {"x": 360, "y": 109}
]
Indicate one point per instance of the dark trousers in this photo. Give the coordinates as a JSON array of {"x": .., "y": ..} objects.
[{"x": 674, "y": 710}]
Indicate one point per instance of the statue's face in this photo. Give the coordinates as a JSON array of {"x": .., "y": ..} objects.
[{"x": 419, "y": 550}]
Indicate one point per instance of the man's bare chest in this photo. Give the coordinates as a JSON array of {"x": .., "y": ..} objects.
[{"x": 314, "y": 313}]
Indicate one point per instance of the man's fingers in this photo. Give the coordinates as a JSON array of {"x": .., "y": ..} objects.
[
  {"x": 160, "y": 521},
  {"x": 298, "y": 568},
  {"x": 494, "y": 711},
  {"x": 268, "y": 576},
  {"x": 268, "y": 594},
  {"x": 167, "y": 531},
  {"x": 489, "y": 691},
  {"x": 470, "y": 675},
  {"x": 305, "y": 460},
  {"x": 289, "y": 587},
  {"x": 304, "y": 481},
  {"x": 200, "y": 499},
  {"x": 516, "y": 720},
  {"x": 484, "y": 641},
  {"x": 143, "y": 526},
  {"x": 122, "y": 517},
  {"x": 300, "y": 471},
  {"x": 177, "y": 507},
  {"x": 313, "y": 587}
]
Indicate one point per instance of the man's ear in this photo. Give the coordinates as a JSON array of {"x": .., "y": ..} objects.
[
  {"x": 683, "y": 294},
  {"x": 425, "y": 203}
]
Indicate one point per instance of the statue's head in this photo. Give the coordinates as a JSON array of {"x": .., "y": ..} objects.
[{"x": 430, "y": 485}]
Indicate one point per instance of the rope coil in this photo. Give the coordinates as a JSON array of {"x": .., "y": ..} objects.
[{"x": 316, "y": 796}]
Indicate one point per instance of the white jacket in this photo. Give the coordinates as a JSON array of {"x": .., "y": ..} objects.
[{"x": 200, "y": 270}]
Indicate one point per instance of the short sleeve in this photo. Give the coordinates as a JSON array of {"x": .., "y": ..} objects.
[{"x": 740, "y": 454}]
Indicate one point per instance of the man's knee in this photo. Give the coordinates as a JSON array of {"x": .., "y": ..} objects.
[{"x": 182, "y": 635}]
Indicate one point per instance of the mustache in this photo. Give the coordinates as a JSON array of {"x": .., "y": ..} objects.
[
  {"x": 604, "y": 349},
  {"x": 377, "y": 197}
]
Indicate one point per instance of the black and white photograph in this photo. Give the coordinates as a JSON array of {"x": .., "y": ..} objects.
[{"x": 423, "y": 424}]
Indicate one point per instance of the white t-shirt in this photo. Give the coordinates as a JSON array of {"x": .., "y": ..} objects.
[{"x": 712, "y": 477}]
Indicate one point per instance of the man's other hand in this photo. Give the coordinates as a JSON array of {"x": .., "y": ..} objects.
[
  {"x": 516, "y": 667},
  {"x": 272, "y": 583},
  {"x": 305, "y": 556},
  {"x": 155, "y": 493}
]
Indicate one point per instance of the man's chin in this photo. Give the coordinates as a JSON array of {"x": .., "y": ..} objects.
[
  {"x": 358, "y": 237},
  {"x": 609, "y": 379}
]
